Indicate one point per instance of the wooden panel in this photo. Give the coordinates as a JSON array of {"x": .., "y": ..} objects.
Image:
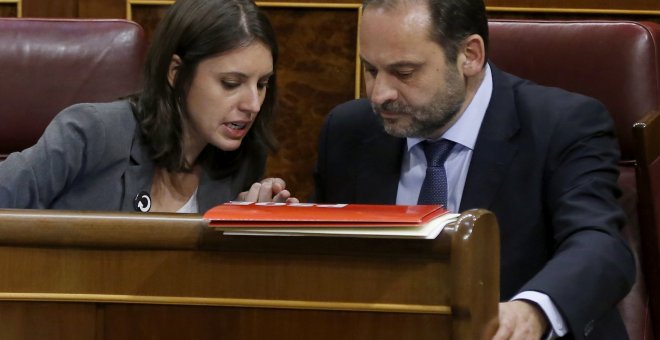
[
  {"x": 278, "y": 277},
  {"x": 195, "y": 322},
  {"x": 316, "y": 72},
  {"x": 243, "y": 287},
  {"x": 50, "y": 8},
  {"x": 47, "y": 321},
  {"x": 102, "y": 9},
  {"x": 116, "y": 8},
  {"x": 148, "y": 16},
  {"x": 315, "y": 2},
  {"x": 9, "y": 10}
]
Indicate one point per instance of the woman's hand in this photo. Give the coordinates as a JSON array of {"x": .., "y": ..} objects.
[{"x": 268, "y": 190}]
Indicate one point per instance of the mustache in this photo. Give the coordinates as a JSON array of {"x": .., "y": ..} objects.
[{"x": 392, "y": 106}]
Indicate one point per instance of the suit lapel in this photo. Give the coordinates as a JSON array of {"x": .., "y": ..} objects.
[
  {"x": 378, "y": 169},
  {"x": 213, "y": 192},
  {"x": 495, "y": 148},
  {"x": 138, "y": 176}
]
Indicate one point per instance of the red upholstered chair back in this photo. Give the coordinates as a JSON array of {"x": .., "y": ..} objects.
[
  {"x": 49, "y": 64},
  {"x": 616, "y": 62}
]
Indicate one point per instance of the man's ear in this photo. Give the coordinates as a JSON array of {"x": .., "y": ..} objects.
[
  {"x": 472, "y": 55},
  {"x": 174, "y": 67}
]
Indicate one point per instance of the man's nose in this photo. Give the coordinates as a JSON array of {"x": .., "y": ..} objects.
[{"x": 382, "y": 90}]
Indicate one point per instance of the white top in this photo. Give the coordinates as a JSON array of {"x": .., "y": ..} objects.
[{"x": 191, "y": 206}]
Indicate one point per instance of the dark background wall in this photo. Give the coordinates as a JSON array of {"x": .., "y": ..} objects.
[
  {"x": 534, "y": 8},
  {"x": 318, "y": 60}
]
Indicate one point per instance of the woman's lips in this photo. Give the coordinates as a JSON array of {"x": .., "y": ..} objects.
[{"x": 236, "y": 129}]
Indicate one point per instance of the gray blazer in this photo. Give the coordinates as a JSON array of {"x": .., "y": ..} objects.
[{"x": 91, "y": 158}]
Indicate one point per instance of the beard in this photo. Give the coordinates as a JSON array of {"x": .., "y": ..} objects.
[{"x": 424, "y": 121}]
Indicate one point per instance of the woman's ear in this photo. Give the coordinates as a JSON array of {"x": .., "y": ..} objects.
[
  {"x": 472, "y": 55},
  {"x": 174, "y": 67}
]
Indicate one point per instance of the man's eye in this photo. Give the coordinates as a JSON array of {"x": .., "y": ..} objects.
[
  {"x": 371, "y": 71},
  {"x": 262, "y": 85},
  {"x": 404, "y": 74}
]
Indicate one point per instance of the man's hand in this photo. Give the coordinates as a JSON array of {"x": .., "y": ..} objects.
[
  {"x": 520, "y": 320},
  {"x": 268, "y": 190}
]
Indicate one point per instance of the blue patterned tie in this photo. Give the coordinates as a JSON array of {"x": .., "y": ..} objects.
[{"x": 434, "y": 188}]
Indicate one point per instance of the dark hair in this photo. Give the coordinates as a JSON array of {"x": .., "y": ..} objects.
[
  {"x": 196, "y": 30},
  {"x": 453, "y": 21}
]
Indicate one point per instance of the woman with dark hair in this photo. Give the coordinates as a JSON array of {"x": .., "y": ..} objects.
[{"x": 197, "y": 135}]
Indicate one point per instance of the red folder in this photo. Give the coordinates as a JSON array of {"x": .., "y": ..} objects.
[
  {"x": 242, "y": 214},
  {"x": 359, "y": 220}
]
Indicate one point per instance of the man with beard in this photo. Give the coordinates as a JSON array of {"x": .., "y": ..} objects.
[{"x": 542, "y": 159}]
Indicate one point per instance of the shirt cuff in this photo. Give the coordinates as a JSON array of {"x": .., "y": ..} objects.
[{"x": 549, "y": 309}]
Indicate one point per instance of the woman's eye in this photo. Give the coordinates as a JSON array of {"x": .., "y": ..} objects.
[
  {"x": 262, "y": 85},
  {"x": 230, "y": 85}
]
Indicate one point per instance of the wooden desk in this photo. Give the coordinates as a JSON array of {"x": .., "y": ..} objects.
[{"x": 82, "y": 275}]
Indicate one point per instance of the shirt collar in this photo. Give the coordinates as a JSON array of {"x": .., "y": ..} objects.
[{"x": 463, "y": 131}]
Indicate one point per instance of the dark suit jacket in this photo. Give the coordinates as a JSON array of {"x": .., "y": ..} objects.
[{"x": 545, "y": 164}]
